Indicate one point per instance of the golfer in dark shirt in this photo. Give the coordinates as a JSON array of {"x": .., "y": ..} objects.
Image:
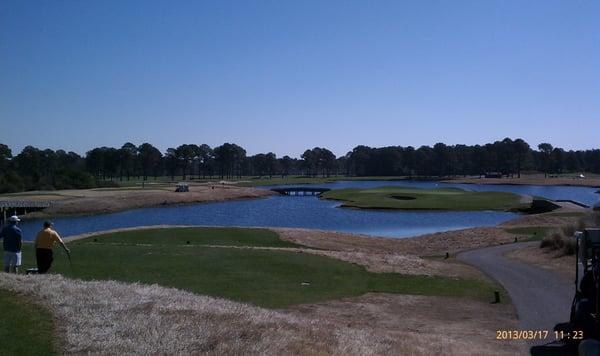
[{"x": 12, "y": 238}]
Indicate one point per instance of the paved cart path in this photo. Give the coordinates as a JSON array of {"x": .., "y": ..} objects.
[{"x": 542, "y": 297}]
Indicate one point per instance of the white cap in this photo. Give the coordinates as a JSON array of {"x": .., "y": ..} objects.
[{"x": 14, "y": 218}]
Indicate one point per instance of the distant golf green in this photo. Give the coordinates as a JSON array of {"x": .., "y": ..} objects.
[
  {"x": 425, "y": 199},
  {"x": 25, "y": 328},
  {"x": 262, "y": 277}
]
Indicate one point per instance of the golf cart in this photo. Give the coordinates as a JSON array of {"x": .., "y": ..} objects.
[
  {"x": 581, "y": 334},
  {"x": 182, "y": 187}
]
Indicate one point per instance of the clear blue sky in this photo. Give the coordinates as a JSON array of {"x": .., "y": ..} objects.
[{"x": 284, "y": 76}]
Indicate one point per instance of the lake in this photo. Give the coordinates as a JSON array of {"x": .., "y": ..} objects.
[{"x": 314, "y": 213}]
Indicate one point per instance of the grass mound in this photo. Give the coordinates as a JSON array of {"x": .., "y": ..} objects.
[
  {"x": 25, "y": 328},
  {"x": 262, "y": 277},
  {"x": 425, "y": 199}
]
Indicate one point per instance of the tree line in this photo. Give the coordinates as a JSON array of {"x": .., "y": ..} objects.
[{"x": 47, "y": 169}]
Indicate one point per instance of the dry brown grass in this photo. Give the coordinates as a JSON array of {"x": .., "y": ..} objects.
[
  {"x": 556, "y": 251},
  {"x": 403, "y": 263},
  {"x": 553, "y": 260},
  {"x": 33, "y": 196},
  {"x": 434, "y": 325},
  {"x": 339, "y": 241},
  {"x": 117, "y": 318},
  {"x": 556, "y": 218},
  {"x": 425, "y": 245}
]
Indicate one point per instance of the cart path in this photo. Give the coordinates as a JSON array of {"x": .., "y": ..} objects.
[{"x": 542, "y": 297}]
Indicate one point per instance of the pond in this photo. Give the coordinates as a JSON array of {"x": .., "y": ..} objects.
[{"x": 314, "y": 213}]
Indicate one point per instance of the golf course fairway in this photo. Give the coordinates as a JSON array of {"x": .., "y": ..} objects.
[{"x": 239, "y": 264}]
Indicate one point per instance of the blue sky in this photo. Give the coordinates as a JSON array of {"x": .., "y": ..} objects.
[{"x": 284, "y": 76}]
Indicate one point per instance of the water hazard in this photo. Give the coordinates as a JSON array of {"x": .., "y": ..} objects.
[{"x": 314, "y": 213}]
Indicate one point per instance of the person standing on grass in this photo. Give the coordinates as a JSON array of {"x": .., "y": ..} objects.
[
  {"x": 44, "y": 242},
  {"x": 12, "y": 236}
]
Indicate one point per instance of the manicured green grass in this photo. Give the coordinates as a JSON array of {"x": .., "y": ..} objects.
[
  {"x": 25, "y": 328},
  {"x": 533, "y": 233},
  {"x": 266, "y": 278},
  {"x": 424, "y": 199},
  {"x": 197, "y": 236}
]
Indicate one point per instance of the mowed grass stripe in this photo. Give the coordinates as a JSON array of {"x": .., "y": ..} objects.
[
  {"x": 25, "y": 328},
  {"x": 425, "y": 199}
]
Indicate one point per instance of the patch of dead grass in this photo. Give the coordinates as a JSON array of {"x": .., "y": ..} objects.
[
  {"x": 546, "y": 258},
  {"x": 425, "y": 245},
  {"x": 107, "y": 317},
  {"x": 433, "y": 325}
]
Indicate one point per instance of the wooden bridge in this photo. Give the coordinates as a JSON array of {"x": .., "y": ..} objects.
[
  {"x": 300, "y": 191},
  {"x": 20, "y": 207}
]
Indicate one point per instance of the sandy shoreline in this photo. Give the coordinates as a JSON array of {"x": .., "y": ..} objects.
[{"x": 92, "y": 202}]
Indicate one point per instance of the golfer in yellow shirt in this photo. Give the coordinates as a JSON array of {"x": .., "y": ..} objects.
[{"x": 44, "y": 243}]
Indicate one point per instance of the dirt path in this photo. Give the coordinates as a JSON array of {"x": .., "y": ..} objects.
[{"x": 542, "y": 298}]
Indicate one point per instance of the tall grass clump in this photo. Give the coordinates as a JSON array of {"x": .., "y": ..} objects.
[
  {"x": 559, "y": 241},
  {"x": 564, "y": 240}
]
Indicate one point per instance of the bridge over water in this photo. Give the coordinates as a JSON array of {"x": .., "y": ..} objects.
[
  {"x": 300, "y": 191},
  {"x": 20, "y": 207}
]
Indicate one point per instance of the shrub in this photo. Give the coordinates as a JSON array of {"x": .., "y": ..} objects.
[
  {"x": 581, "y": 225},
  {"x": 596, "y": 218},
  {"x": 569, "y": 230},
  {"x": 570, "y": 246},
  {"x": 554, "y": 242},
  {"x": 545, "y": 243},
  {"x": 565, "y": 244}
]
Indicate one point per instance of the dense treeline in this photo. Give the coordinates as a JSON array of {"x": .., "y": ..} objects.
[{"x": 47, "y": 169}]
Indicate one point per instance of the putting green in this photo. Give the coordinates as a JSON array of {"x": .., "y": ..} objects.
[{"x": 425, "y": 199}]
